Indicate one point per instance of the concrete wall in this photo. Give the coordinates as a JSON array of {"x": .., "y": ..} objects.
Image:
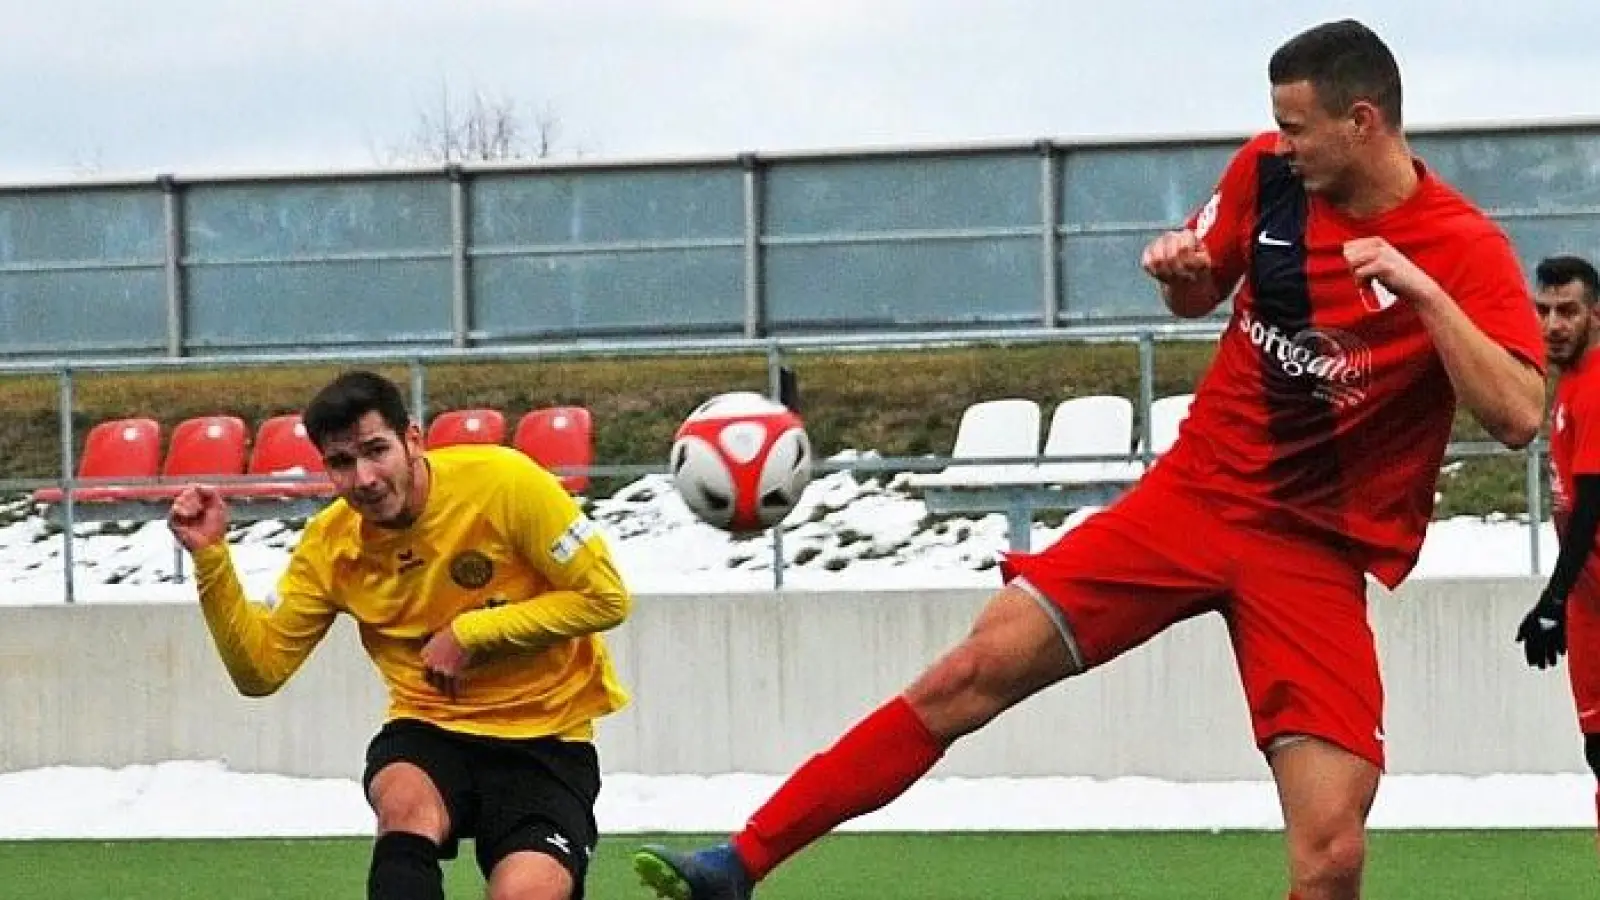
[{"x": 755, "y": 683}]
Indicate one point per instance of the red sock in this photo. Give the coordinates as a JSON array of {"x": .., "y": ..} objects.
[{"x": 872, "y": 764}]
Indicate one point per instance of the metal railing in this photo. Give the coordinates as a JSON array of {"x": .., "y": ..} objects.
[{"x": 776, "y": 351}]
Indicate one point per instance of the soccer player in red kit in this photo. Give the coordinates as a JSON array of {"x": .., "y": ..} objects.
[
  {"x": 1567, "y": 616},
  {"x": 1368, "y": 298}
]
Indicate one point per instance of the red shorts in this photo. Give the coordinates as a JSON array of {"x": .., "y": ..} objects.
[
  {"x": 1583, "y": 654},
  {"x": 1295, "y": 606}
]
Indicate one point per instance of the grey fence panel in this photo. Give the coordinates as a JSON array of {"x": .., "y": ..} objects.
[
  {"x": 1549, "y": 171},
  {"x": 891, "y": 193},
  {"x": 1113, "y": 201},
  {"x": 1101, "y": 279},
  {"x": 510, "y": 212},
  {"x": 83, "y": 312},
  {"x": 898, "y": 242},
  {"x": 313, "y": 304},
  {"x": 82, "y": 271},
  {"x": 1113, "y": 187},
  {"x": 93, "y": 225},
  {"x": 228, "y": 223},
  {"x": 953, "y": 282},
  {"x": 606, "y": 252},
  {"x": 635, "y": 292},
  {"x": 316, "y": 264}
]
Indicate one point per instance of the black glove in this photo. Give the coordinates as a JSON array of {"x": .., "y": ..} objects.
[{"x": 1543, "y": 632}]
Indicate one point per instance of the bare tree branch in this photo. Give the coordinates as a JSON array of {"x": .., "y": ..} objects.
[{"x": 485, "y": 127}]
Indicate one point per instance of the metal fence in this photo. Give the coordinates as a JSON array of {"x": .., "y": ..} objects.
[
  {"x": 1037, "y": 235},
  {"x": 775, "y": 350}
]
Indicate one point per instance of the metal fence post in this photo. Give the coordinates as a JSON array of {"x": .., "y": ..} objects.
[
  {"x": 755, "y": 292},
  {"x": 460, "y": 285},
  {"x": 775, "y": 391},
  {"x": 177, "y": 300},
  {"x": 68, "y": 481},
  {"x": 1147, "y": 392},
  {"x": 1050, "y": 238},
  {"x": 419, "y": 393}
]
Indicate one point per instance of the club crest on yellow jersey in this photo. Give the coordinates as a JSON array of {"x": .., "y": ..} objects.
[{"x": 471, "y": 570}]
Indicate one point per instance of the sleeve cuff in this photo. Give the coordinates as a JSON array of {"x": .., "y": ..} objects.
[{"x": 212, "y": 558}]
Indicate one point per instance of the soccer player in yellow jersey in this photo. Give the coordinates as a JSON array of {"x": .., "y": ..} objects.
[{"x": 480, "y": 590}]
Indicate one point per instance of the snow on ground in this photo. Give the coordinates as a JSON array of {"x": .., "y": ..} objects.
[
  {"x": 202, "y": 799},
  {"x": 847, "y": 534}
]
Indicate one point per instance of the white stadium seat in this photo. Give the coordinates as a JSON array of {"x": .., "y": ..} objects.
[
  {"x": 1090, "y": 426},
  {"x": 1166, "y": 414},
  {"x": 990, "y": 429}
]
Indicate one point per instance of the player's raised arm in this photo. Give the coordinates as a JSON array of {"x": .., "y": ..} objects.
[
  {"x": 1483, "y": 329},
  {"x": 260, "y": 647},
  {"x": 587, "y": 594},
  {"x": 1182, "y": 265},
  {"x": 1199, "y": 265}
]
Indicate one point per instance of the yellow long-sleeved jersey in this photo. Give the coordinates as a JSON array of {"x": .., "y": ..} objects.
[{"x": 501, "y": 554}]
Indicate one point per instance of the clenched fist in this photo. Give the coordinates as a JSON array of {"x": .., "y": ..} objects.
[
  {"x": 1177, "y": 256},
  {"x": 198, "y": 517},
  {"x": 1373, "y": 259}
]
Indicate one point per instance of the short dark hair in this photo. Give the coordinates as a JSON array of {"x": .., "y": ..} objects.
[
  {"x": 1345, "y": 61},
  {"x": 346, "y": 399},
  {"x": 1558, "y": 271}
]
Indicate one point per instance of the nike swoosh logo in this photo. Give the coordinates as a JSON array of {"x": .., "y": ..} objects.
[{"x": 1269, "y": 240}]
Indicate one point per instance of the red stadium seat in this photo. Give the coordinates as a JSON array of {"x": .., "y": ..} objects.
[
  {"x": 202, "y": 447},
  {"x": 466, "y": 426},
  {"x": 558, "y": 437},
  {"x": 282, "y": 447},
  {"x": 206, "y": 445},
  {"x": 114, "y": 449}
]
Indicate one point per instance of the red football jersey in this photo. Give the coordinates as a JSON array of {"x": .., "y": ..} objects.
[
  {"x": 1327, "y": 405},
  {"x": 1575, "y": 440}
]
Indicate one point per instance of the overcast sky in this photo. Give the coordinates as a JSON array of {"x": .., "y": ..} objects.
[{"x": 134, "y": 87}]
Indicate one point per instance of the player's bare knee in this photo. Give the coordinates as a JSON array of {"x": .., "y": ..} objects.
[
  {"x": 530, "y": 876},
  {"x": 404, "y": 798},
  {"x": 1329, "y": 858}
]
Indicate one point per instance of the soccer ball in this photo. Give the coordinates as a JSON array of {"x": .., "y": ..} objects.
[{"x": 740, "y": 461}]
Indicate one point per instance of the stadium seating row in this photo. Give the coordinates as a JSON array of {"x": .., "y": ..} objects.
[
  {"x": 122, "y": 460},
  {"x": 1097, "y": 426},
  {"x": 1098, "y": 429}
]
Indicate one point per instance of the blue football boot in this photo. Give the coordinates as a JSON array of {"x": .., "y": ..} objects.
[{"x": 711, "y": 874}]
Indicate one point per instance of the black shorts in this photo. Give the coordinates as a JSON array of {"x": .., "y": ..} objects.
[{"x": 507, "y": 794}]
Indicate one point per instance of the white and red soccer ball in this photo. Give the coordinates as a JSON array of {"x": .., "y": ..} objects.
[{"x": 740, "y": 461}]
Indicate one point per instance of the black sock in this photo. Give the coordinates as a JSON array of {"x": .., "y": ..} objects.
[{"x": 405, "y": 867}]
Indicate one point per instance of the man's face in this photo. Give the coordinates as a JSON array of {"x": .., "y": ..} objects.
[
  {"x": 1566, "y": 317},
  {"x": 374, "y": 470},
  {"x": 1318, "y": 146}
]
